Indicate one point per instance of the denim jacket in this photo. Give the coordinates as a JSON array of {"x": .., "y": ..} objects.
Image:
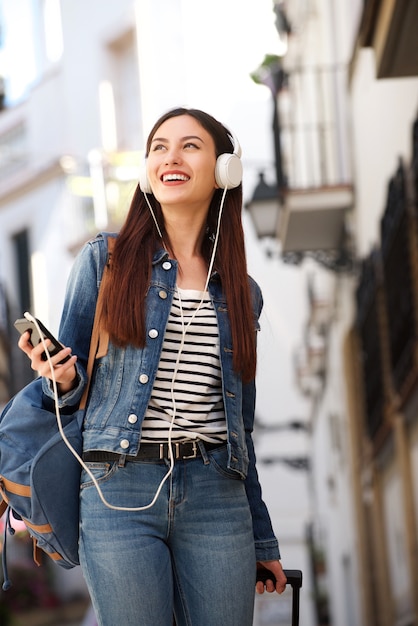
[{"x": 123, "y": 378}]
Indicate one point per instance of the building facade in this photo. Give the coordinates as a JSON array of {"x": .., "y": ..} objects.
[{"x": 349, "y": 209}]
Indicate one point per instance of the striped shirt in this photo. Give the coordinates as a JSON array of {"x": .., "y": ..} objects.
[{"x": 188, "y": 383}]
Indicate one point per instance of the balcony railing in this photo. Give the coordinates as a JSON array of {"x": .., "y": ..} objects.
[
  {"x": 313, "y": 127},
  {"x": 316, "y": 160},
  {"x": 387, "y": 305},
  {"x": 368, "y": 324},
  {"x": 397, "y": 228}
]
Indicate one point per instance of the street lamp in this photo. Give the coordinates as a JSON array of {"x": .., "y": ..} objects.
[
  {"x": 298, "y": 219},
  {"x": 264, "y": 208}
]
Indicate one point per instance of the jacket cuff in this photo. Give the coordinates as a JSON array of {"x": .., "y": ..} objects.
[
  {"x": 71, "y": 398},
  {"x": 267, "y": 550}
]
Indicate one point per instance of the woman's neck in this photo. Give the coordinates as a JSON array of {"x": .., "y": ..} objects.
[
  {"x": 192, "y": 272},
  {"x": 185, "y": 238}
]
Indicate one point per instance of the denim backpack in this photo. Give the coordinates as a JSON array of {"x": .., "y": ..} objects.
[{"x": 39, "y": 475}]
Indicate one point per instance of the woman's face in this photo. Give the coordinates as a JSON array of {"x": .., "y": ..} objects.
[{"x": 181, "y": 164}]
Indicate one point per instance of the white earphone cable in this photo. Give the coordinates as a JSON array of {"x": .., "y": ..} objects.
[
  {"x": 184, "y": 330},
  {"x": 175, "y": 372},
  {"x": 68, "y": 444}
]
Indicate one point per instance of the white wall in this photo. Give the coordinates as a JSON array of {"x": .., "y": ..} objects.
[{"x": 383, "y": 112}]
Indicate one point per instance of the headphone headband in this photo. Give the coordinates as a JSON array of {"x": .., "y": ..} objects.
[{"x": 235, "y": 143}]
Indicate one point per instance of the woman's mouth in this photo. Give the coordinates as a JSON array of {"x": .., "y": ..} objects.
[{"x": 167, "y": 178}]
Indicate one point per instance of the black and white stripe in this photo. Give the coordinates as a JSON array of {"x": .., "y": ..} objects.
[{"x": 197, "y": 386}]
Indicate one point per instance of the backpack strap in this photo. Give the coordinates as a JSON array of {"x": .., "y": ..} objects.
[
  {"x": 99, "y": 337},
  {"x": 3, "y": 507}
]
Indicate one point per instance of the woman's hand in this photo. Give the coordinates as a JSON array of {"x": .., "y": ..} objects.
[
  {"x": 275, "y": 569},
  {"x": 65, "y": 373}
]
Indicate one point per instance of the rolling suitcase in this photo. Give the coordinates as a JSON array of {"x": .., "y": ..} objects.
[{"x": 294, "y": 578}]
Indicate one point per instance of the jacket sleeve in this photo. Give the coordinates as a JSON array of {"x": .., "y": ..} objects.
[
  {"x": 266, "y": 544},
  {"x": 78, "y": 313}
]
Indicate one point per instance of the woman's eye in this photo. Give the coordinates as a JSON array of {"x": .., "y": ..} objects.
[
  {"x": 189, "y": 144},
  {"x": 158, "y": 146}
]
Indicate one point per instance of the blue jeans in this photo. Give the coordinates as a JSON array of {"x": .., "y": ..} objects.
[{"x": 191, "y": 554}]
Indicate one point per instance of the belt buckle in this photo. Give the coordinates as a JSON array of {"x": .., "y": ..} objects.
[{"x": 194, "y": 453}]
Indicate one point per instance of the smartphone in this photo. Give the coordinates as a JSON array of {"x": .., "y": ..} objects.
[{"x": 24, "y": 324}]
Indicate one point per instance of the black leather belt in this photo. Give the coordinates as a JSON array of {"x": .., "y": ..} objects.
[{"x": 182, "y": 451}]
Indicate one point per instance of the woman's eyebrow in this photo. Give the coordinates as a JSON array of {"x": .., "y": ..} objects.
[{"x": 186, "y": 138}]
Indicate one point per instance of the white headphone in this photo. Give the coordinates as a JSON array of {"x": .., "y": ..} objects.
[{"x": 228, "y": 169}]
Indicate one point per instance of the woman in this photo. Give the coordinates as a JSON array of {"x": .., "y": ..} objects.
[{"x": 167, "y": 431}]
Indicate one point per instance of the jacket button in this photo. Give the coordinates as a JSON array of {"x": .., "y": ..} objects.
[
  {"x": 124, "y": 444},
  {"x": 166, "y": 265},
  {"x": 162, "y": 294},
  {"x": 153, "y": 333},
  {"x": 132, "y": 419},
  {"x": 143, "y": 379}
]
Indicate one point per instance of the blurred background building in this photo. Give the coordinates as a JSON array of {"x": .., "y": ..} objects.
[
  {"x": 346, "y": 211},
  {"x": 331, "y": 182}
]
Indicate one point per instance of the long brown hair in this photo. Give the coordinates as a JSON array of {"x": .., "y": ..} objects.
[{"x": 125, "y": 292}]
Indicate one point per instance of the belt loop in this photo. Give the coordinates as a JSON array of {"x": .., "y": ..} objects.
[
  {"x": 203, "y": 451},
  {"x": 122, "y": 460}
]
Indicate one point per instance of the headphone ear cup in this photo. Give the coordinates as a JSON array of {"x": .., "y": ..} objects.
[
  {"x": 143, "y": 178},
  {"x": 228, "y": 171}
]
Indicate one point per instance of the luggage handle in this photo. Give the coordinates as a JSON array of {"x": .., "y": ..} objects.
[{"x": 294, "y": 578}]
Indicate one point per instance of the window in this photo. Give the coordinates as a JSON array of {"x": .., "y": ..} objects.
[{"x": 22, "y": 263}]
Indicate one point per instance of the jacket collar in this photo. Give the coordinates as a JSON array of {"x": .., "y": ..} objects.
[{"x": 161, "y": 255}]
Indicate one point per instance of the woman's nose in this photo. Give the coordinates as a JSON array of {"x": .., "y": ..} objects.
[{"x": 172, "y": 156}]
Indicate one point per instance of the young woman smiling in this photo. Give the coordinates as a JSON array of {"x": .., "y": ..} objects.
[{"x": 181, "y": 527}]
